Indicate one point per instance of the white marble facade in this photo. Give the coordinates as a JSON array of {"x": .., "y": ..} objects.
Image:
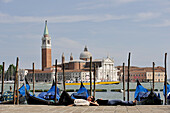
[{"x": 107, "y": 71}]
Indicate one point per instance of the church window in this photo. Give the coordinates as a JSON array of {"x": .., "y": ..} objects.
[
  {"x": 48, "y": 41},
  {"x": 43, "y": 41}
]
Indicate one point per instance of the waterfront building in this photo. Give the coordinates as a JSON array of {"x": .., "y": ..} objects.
[
  {"x": 106, "y": 69},
  {"x": 143, "y": 74},
  {"x": 41, "y": 76},
  {"x": 75, "y": 69}
]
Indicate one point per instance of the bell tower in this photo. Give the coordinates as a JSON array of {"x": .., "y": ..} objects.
[{"x": 46, "y": 48}]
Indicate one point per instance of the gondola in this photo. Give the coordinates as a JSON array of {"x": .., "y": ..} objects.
[
  {"x": 145, "y": 97},
  {"x": 7, "y": 97},
  {"x": 44, "y": 98},
  {"x": 168, "y": 93},
  {"x": 82, "y": 93}
]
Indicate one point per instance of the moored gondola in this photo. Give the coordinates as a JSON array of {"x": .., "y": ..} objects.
[
  {"x": 7, "y": 97},
  {"x": 44, "y": 98},
  {"x": 82, "y": 93},
  {"x": 145, "y": 97}
]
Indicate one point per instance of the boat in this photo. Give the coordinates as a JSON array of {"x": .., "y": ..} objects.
[
  {"x": 7, "y": 97},
  {"x": 98, "y": 82},
  {"x": 145, "y": 97},
  {"x": 168, "y": 93},
  {"x": 44, "y": 98},
  {"x": 82, "y": 93}
]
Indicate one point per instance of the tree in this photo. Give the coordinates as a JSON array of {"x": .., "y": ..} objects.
[
  {"x": 10, "y": 72},
  {"x": 1, "y": 68}
]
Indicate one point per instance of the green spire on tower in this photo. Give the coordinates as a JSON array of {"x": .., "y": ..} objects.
[{"x": 46, "y": 29}]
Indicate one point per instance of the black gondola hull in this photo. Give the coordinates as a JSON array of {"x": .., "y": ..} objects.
[{"x": 37, "y": 101}]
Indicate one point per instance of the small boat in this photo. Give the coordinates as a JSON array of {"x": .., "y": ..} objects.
[
  {"x": 168, "y": 93},
  {"x": 145, "y": 97},
  {"x": 7, "y": 97},
  {"x": 101, "y": 82},
  {"x": 82, "y": 93},
  {"x": 44, "y": 98}
]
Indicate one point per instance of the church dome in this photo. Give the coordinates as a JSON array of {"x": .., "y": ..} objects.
[{"x": 85, "y": 55}]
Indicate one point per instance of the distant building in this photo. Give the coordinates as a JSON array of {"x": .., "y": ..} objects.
[
  {"x": 41, "y": 76},
  {"x": 75, "y": 70},
  {"x": 106, "y": 69},
  {"x": 143, "y": 74}
]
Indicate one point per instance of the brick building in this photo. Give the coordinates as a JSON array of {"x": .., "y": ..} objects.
[{"x": 143, "y": 74}]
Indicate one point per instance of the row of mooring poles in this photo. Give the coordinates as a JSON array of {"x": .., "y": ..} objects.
[
  {"x": 94, "y": 77},
  {"x": 16, "y": 83},
  {"x": 123, "y": 78},
  {"x": 63, "y": 68}
]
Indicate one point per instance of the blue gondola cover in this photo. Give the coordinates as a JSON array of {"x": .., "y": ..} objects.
[
  {"x": 82, "y": 93},
  {"x": 140, "y": 92},
  {"x": 168, "y": 91},
  {"x": 50, "y": 94},
  {"x": 22, "y": 89}
]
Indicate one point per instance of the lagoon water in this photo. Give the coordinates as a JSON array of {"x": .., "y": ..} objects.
[{"x": 104, "y": 95}]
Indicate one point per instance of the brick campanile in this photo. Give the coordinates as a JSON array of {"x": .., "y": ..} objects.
[{"x": 46, "y": 48}]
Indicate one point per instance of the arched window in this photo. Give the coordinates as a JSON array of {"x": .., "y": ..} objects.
[
  {"x": 43, "y": 41},
  {"x": 48, "y": 41}
]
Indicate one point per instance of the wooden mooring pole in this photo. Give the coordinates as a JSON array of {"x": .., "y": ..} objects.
[
  {"x": 128, "y": 77},
  {"x": 17, "y": 81},
  {"x": 14, "y": 97},
  {"x": 33, "y": 78},
  {"x": 3, "y": 75},
  {"x": 153, "y": 79},
  {"x": 16, "y": 84},
  {"x": 90, "y": 76},
  {"x": 123, "y": 81},
  {"x": 55, "y": 99},
  {"x": 165, "y": 80},
  {"x": 64, "y": 86},
  {"x": 94, "y": 85}
]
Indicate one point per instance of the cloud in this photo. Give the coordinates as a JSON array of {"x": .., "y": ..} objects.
[
  {"x": 146, "y": 16},
  {"x": 64, "y": 42},
  {"x": 5, "y": 18},
  {"x": 6, "y": 1},
  {"x": 164, "y": 23},
  {"x": 103, "y": 4},
  {"x": 125, "y": 1},
  {"x": 28, "y": 36}
]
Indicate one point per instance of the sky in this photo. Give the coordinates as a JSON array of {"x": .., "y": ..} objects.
[{"x": 107, "y": 27}]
